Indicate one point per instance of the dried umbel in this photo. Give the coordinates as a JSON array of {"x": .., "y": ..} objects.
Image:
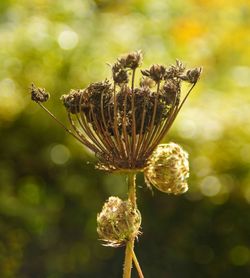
[
  {"x": 168, "y": 169},
  {"x": 123, "y": 123},
  {"x": 118, "y": 222}
]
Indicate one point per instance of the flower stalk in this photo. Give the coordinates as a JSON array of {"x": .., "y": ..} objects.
[{"x": 130, "y": 243}]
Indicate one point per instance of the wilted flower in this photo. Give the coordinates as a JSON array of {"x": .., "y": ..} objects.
[
  {"x": 123, "y": 123},
  {"x": 168, "y": 169},
  {"x": 118, "y": 222}
]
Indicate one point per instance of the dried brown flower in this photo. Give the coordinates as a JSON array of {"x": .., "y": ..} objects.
[
  {"x": 123, "y": 123},
  {"x": 38, "y": 94}
]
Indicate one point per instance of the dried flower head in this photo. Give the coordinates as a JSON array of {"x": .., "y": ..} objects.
[
  {"x": 39, "y": 94},
  {"x": 118, "y": 222},
  {"x": 168, "y": 169},
  {"x": 123, "y": 123}
]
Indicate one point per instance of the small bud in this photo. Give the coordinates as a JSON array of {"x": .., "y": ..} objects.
[
  {"x": 72, "y": 101},
  {"x": 117, "y": 222},
  {"x": 38, "y": 94},
  {"x": 168, "y": 169}
]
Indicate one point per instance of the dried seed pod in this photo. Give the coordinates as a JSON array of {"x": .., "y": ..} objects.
[
  {"x": 117, "y": 222},
  {"x": 175, "y": 71},
  {"x": 131, "y": 60},
  {"x": 72, "y": 100},
  {"x": 168, "y": 169},
  {"x": 193, "y": 75},
  {"x": 38, "y": 94},
  {"x": 120, "y": 75},
  {"x": 156, "y": 72}
]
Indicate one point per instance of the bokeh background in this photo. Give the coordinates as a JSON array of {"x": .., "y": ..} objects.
[{"x": 50, "y": 192}]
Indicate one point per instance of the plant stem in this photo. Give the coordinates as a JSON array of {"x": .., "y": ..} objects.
[
  {"x": 137, "y": 265},
  {"x": 132, "y": 189},
  {"x": 130, "y": 244},
  {"x": 128, "y": 259}
]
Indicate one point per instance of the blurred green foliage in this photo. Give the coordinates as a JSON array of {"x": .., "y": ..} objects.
[{"x": 50, "y": 195}]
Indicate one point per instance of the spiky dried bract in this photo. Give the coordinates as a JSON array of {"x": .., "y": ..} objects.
[
  {"x": 168, "y": 169},
  {"x": 39, "y": 94},
  {"x": 118, "y": 222}
]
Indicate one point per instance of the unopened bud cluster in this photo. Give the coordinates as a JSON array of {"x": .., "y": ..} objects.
[
  {"x": 168, "y": 169},
  {"x": 118, "y": 222}
]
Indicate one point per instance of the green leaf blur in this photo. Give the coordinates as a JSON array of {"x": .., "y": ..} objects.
[{"x": 50, "y": 192}]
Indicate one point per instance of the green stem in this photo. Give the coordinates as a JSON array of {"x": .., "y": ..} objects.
[{"x": 130, "y": 244}]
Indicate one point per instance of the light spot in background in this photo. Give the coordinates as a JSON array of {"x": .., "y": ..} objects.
[
  {"x": 124, "y": 30},
  {"x": 241, "y": 76},
  {"x": 59, "y": 154},
  {"x": 239, "y": 255},
  {"x": 37, "y": 31},
  {"x": 187, "y": 128},
  {"x": 7, "y": 88},
  {"x": 201, "y": 166},
  {"x": 12, "y": 101},
  {"x": 210, "y": 186},
  {"x": 201, "y": 123},
  {"x": 68, "y": 39}
]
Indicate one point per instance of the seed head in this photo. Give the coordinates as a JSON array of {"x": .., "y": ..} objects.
[
  {"x": 71, "y": 101},
  {"x": 192, "y": 75},
  {"x": 131, "y": 60},
  {"x": 120, "y": 121},
  {"x": 118, "y": 222},
  {"x": 175, "y": 71},
  {"x": 156, "y": 72},
  {"x": 38, "y": 94},
  {"x": 120, "y": 74},
  {"x": 168, "y": 169}
]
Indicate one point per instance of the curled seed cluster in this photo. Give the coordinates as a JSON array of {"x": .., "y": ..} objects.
[
  {"x": 168, "y": 169},
  {"x": 118, "y": 222},
  {"x": 121, "y": 122}
]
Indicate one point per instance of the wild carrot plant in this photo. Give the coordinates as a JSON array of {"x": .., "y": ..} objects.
[{"x": 123, "y": 124}]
